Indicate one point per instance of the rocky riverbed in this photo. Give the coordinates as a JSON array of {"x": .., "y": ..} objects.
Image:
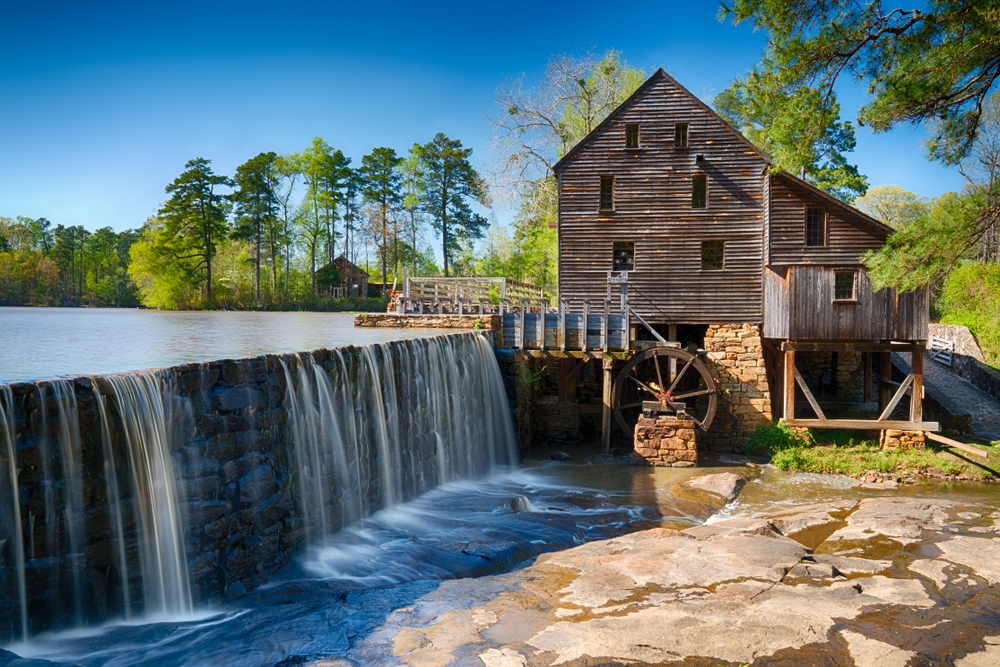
[{"x": 881, "y": 581}]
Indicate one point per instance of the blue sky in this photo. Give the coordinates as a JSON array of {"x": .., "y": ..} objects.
[{"x": 101, "y": 104}]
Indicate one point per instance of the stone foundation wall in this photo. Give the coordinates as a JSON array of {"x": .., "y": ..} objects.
[
  {"x": 735, "y": 359},
  {"x": 665, "y": 441},
  {"x": 894, "y": 439},
  {"x": 492, "y": 323}
]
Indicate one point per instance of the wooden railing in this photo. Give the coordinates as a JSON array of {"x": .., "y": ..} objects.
[{"x": 470, "y": 295}]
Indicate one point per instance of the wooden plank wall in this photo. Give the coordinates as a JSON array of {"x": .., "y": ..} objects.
[
  {"x": 848, "y": 235},
  {"x": 652, "y": 197},
  {"x": 809, "y": 312},
  {"x": 775, "y": 302}
]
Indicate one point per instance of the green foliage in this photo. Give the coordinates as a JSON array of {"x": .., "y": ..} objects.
[
  {"x": 926, "y": 249},
  {"x": 256, "y": 207},
  {"x": 380, "y": 184},
  {"x": 893, "y": 205},
  {"x": 935, "y": 62},
  {"x": 773, "y": 439},
  {"x": 971, "y": 297},
  {"x": 451, "y": 182},
  {"x": 798, "y": 132}
]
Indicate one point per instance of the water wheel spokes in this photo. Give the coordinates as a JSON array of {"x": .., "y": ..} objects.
[{"x": 691, "y": 391}]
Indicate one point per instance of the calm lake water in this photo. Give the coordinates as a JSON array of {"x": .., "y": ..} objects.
[{"x": 42, "y": 343}]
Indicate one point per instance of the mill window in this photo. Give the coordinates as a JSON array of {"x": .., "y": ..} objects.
[
  {"x": 631, "y": 136},
  {"x": 681, "y": 135},
  {"x": 624, "y": 256},
  {"x": 843, "y": 286},
  {"x": 699, "y": 191},
  {"x": 607, "y": 193},
  {"x": 815, "y": 226},
  {"x": 713, "y": 255}
]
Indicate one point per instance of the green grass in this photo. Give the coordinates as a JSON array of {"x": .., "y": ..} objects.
[{"x": 847, "y": 452}]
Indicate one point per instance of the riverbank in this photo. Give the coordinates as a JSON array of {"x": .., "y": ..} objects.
[{"x": 859, "y": 455}]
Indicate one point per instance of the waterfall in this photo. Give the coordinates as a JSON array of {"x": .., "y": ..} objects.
[
  {"x": 396, "y": 427},
  {"x": 141, "y": 400},
  {"x": 10, "y": 437}
]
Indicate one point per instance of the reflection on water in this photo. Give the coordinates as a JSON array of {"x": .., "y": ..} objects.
[
  {"x": 42, "y": 343},
  {"x": 341, "y": 590}
]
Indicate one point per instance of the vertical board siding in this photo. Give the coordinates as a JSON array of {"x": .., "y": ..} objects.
[
  {"x": 652, "y": 207},
  {"x": 810, "y": 313},
  {"x": 776, "y": 308},
  {"x": 848, "y": 235}
]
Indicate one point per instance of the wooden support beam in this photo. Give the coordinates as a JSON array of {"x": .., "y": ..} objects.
[
  {"x": 521, "y": 332},
  {"x": 896, "y": 398},
  {"x": 884, "y": 378},
  {"x": 957, "y": 445},
  {"x": 863, "y": 424},
  {"x": 850, "y": 346},
  {"x": 917, "y": 396},
  {"x": 809, "y": 396},
  {"x": 608, "y": 365},
  {"x": 789, "y": 401},
  {"x": 672, "y": 335},
  {"x": 562, "y": 324},
  {"x": 605, "y": 325},
  {"x": 862, "y": 407}
]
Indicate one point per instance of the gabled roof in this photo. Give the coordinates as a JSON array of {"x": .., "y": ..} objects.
[
  {"x": 349, "y": 266},
  {"x": 881, "y": 226},
  {"x": 658, "y": 75}
]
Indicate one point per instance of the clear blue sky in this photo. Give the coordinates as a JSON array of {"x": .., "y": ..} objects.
[{"x": 101, "y": 104}]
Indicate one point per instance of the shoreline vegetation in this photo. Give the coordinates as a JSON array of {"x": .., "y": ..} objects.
[{"x": 857, "y": 454}]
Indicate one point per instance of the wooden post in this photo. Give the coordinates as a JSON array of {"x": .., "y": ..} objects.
[
  {"x": 607, "y": 323},
  {"x": 884, "y": 377},
  {"x": 562, "y": 325},
  {"x": 868, "y": 378},
  {"x": 672, "y": 364},
  {"x": 789, "y": 406},
  {"x": 541, "y": 328},
  {"x": 586, "y": 322},
  {"x": 521, "y": 333},
  {"x": 917, "y": 390},
  {"x": 606, "y": 412}
]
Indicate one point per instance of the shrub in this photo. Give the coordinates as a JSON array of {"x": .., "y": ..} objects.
[{"x": 772, "y": 439}]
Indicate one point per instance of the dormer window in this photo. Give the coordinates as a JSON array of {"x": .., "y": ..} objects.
[
  {"x": 681, "y": 135},
  {"x": 815, "y": 227},
  {"x": 699, "y": 191},
  {"x": 631, "y": 136},
  {"x": 607, "y": 193}
]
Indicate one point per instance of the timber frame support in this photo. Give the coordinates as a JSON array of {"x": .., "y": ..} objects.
[{"x": 888, "y": 400}]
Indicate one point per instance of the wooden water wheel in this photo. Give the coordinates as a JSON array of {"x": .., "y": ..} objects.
[{"x": 647, "y": 377}]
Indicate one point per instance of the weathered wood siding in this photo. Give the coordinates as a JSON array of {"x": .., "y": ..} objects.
[
  {"x": 848, "y": 235},
  {"x": 652, "y": 208},
  {"x": 801, "y": 307}
]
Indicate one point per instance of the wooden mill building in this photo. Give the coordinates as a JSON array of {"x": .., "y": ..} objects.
[{"x": 713, "y": 248}]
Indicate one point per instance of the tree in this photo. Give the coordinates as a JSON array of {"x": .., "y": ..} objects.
[
  {"x": 936, "y": 62},
  {"x": 451, "y": 181},
  {"x": 414, "y": 184},
  {"x": 162, "y": 281},
  {"x": 287, "y": 168},
  {"x": 380, "y": 184},
  {"x": 799, "y": 134},
  {"x": 256, "y": 206},
  {"x": 194, "y": 220},
  {"x": 325, "y": 170},
  {"x": 893, "y": 205}
]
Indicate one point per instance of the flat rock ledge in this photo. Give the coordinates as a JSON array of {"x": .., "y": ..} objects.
[{"x": 884, "y": 581}]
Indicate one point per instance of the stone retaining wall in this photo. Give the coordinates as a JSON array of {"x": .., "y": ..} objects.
[
  {"x": 968, "y": 358},
  {"x": 237, "y": 484},
  {"x": 490, "y": 322},
  {"x": 736, "y": 361},
  {"x": 665, "y": 441},
  {"x": 894, "y": 439}
]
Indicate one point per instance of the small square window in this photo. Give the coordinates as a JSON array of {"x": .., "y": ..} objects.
[
  {"x": 815, "y": 226},
  {"x": 607, "y": 193},
  {"x": 713, "y": 255},
  {"x": 681, "y": 135},
  {"x": 843, "y": 286},
  {"x": 624, "y": 256},
  {"x": 631, "y": 136},
  {"x": 699, "y": 191}
]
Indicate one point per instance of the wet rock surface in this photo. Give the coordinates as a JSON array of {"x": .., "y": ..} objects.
[{"x": 883, "y": 581}]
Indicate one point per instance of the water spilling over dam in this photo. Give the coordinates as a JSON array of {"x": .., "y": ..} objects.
[{"x": 156, "y": 491}]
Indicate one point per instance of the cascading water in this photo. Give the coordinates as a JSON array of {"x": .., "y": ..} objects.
[
  {"x": 142, "y": 401},
  {"x": 10, "y": 437},
  {"x": 392, "y": 429}
]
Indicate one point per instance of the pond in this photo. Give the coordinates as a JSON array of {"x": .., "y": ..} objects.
[{"x": 42, "y": 343}]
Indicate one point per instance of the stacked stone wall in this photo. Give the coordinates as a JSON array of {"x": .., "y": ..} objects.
[
  {"x": 894, "y": 439},
  {"x": 490, "y": 322},
  {"x": 665, "y": 441},
  {"x": 735, "y": 359}
]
